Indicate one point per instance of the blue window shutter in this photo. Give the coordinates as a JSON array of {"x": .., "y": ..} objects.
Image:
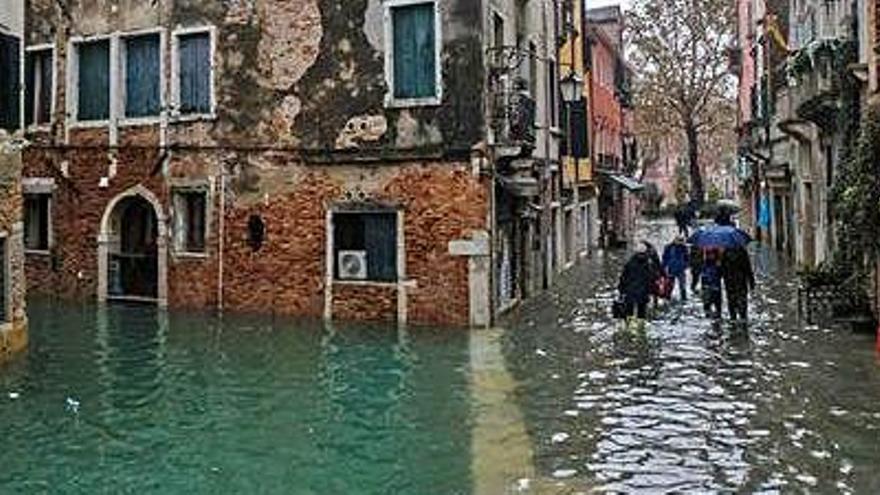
[
  {"x": 142, "y": 76},
  {"x": 9, "y": 82},
  {"x": 415, "y": 60},
  {"x": 380, "y": 239},
  {"x": 94, "y": 81},
  {"x": 194, "y": 51}
]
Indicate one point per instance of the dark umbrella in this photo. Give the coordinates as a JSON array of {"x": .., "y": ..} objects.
[{"x": 722, "y": 236}]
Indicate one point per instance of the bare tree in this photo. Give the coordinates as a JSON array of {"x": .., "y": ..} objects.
[{"x": 680, "y": 53}]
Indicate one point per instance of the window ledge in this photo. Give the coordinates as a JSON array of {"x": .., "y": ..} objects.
[
  {"x": 88, "y": 124},
  {"x": 365, "y": 283},
  {"x": 191, "y": 255},
  {"x": 139, "y": 121},
  {"x": 39, "y": 128},
  {"x": 37, "y": 252},
  {"x": 193, "y": 117},
  {"x": 431, "y": 101}
]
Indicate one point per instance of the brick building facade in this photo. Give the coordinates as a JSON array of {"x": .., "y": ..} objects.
[{"x": 266, "y": 156}]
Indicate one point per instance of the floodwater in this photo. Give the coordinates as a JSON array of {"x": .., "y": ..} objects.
[
  {"x": 562, "y": 400},
  {"x": 692, "y": 407}
]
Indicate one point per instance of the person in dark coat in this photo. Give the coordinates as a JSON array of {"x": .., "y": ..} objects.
[
  {"x": 696, "y": 265},
  {"x": 636, "y": 283},
  {"x": 739, "y": 279},
  {"x": 676, "y": 259},
  {"x": 710, "y": 279},
  {"x": 682, "y": 221}
]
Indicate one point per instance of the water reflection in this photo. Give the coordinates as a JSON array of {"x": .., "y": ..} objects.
[{"x": 187, "y": 403}]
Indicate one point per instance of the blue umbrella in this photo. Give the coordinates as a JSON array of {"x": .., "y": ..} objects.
[{"x": 722, "y": 236}]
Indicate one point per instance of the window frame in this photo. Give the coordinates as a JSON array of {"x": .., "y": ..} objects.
[
  {"x": 53, "y": 91},
  {"x": 73, "y": 79},
  {"x": 176, "y": 115},
  {"x": 179, "y": 227},
  {"x": 40, "y": 187},
  {"x": 122, "y": 92},
  {"x": 400, "y": 246},
  {"x": 392, "y": 101}
]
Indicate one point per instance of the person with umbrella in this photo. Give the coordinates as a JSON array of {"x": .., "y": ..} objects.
[
  {"x": 739, "y": 279},
  {"x": 714, "y": 240}
]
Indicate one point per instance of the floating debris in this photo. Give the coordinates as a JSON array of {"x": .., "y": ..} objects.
[
  {"x": 14, "y": 395},
  {"x": 72, "y": 405},
  {"x": 560, "y": 437},
  {"x": 564, "y": 473}
]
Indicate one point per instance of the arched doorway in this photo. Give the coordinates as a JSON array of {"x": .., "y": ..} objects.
[{"x": 132, "y": 249}]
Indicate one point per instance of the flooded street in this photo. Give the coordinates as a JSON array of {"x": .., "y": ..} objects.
[
  {"x": 559, "y": 400},
  {"x": 694, "y": 407}
]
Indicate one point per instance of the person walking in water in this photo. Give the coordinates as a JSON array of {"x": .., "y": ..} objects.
[
  {"x": 710, "y": 279},
  {"x": 636, "y": 281},
  {"x": 675, "y": 262},
  {"x": 739, "y": 280}
]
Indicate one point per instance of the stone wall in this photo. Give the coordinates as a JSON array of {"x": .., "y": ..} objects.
[{"x": 13, "y": 331}]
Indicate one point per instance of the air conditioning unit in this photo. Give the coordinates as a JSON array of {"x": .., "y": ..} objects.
[{"x": 352, "y": 265}]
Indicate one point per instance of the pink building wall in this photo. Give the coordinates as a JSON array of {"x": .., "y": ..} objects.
[{"x": 745, "y": 39}]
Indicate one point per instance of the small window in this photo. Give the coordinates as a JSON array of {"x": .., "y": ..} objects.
[
  {"x": 9, "y": 82},
  {"x": 143, "y": 74},
  {"x": 36, "y": 221},
  {"x": 94, "y": 80},
  {"x": 194, "y": 73},
  {"x": 365, "y": 246},
  {"x": 415, "y": 58},
  {"x": 190, "y": 208},
  {"x": 38, "y": 89}
]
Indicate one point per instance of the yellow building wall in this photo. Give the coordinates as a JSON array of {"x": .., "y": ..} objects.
[{"x": 576, "y": 171}]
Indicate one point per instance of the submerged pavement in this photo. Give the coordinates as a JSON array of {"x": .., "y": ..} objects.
[{"x": 693, "y": 406}]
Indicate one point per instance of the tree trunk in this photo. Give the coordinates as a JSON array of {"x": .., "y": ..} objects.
[{"x": 697, "y": 191}]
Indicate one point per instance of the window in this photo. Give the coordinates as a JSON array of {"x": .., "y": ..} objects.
[
  {"x": 367, "y": 238},
  {"x": 93, "y": 102},
  {"x": 9, "y": 83},
  {"x": 190, "y": 208},
  {"x": 415, "y": 52},
  {"x": 38, "y": 86},
  {"x": 143, "y": 73},
  {"x": 194, "y": 86},
  {"x": 36, "y": 221}
]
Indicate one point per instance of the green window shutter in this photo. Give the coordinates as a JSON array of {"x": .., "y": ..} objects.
[
  {"x": 9, "y": 82},
  {"x": 142, "y": 76},
  {"x": 194, "y": 51},
  {"x": 94, "y": 81},
  {"x": 415, "y": 57}
]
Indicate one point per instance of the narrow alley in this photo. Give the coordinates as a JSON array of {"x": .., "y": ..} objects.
[{"x": 695, "y": 407}]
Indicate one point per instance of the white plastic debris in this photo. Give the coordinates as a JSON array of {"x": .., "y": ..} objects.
[
  {"x": 560, "y": 437},
  {"x": 541, "y": 352},
  {"x": 72, "y": 405},
  {"x": 14, "y": 395},
  {"x": 564, "y": 473}
]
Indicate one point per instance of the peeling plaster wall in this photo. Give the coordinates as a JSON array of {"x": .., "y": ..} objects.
[{"x": 295, "y": 80}]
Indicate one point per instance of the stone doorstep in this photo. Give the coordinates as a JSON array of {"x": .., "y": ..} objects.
[{"x": 13, "y": 339}]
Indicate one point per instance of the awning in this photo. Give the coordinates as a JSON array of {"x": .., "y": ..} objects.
[{"x": 629, "y": 183}]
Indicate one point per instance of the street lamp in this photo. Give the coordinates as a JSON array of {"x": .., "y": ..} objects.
[{"x": 572, "y": 87}]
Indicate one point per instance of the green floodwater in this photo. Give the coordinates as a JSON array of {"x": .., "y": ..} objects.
[
  {"x": 129, "y": 399},
  {"x": 134, "y": 400}
]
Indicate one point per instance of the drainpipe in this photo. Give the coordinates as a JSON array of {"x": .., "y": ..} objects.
[{"x": 221, "y": 241}]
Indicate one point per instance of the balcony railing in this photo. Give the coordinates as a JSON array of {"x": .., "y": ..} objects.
[{"x": 512, "y": 107}]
